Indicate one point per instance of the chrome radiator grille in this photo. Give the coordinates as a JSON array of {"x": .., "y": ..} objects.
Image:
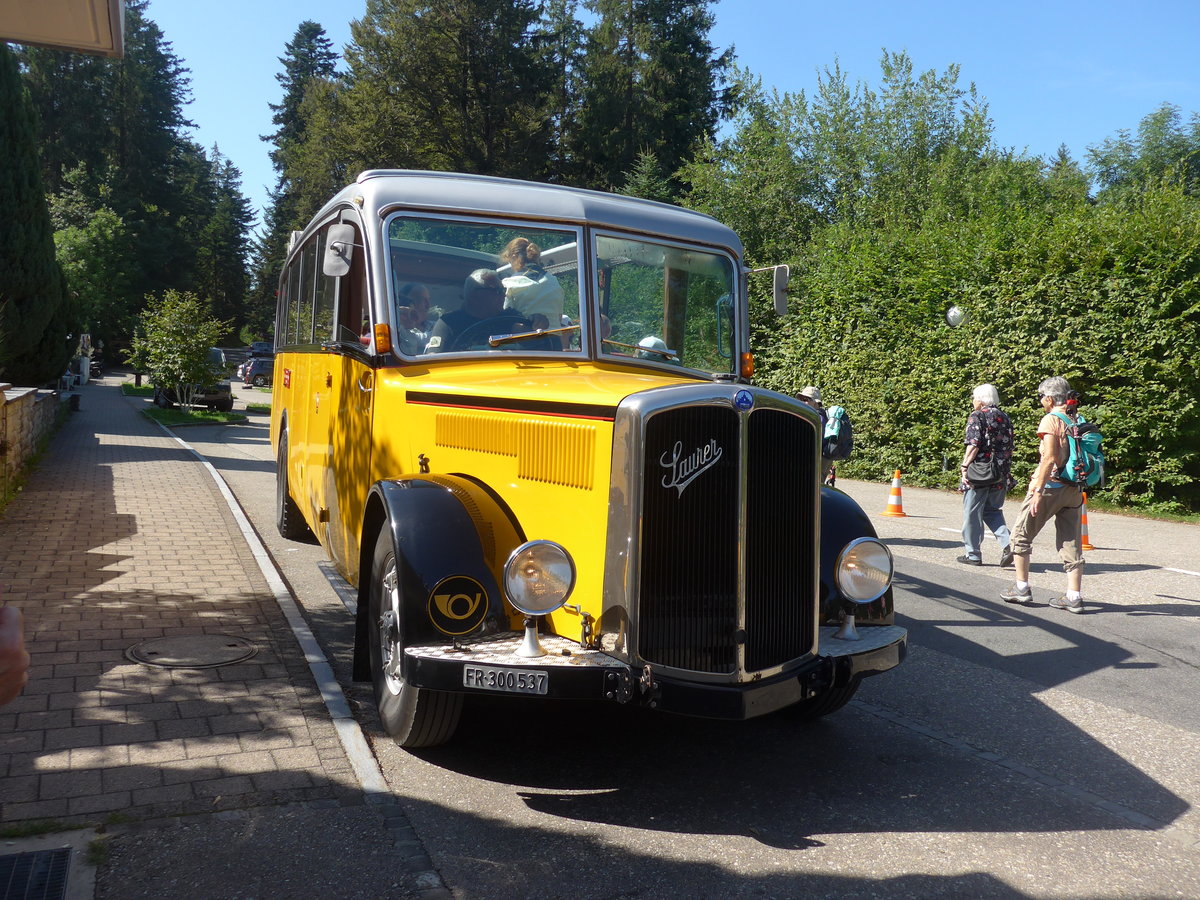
[{"x": 691, "y": 595}]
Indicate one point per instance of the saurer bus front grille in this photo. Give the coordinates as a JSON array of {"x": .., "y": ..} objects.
[
  {"x": 781, "y": 566},
  {"x": 692, "y": 495}
]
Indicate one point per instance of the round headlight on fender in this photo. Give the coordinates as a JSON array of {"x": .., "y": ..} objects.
[
  {"x": 539, "y": 577},
  {"x": 864, "y": 570}
]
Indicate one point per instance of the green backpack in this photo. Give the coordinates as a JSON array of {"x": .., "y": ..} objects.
[{"x": 1085, "y": 458}]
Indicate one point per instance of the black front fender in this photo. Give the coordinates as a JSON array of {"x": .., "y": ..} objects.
[
  {"x": 451, "y": 538},
  {"x": 842, "y": 521}
]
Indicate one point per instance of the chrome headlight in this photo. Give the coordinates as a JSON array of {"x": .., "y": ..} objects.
[
  {"x": 864, "y": 570},
  {"x": 539, "y": 577}
]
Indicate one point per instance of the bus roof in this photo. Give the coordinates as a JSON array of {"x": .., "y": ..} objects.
[{"x": 384, "y": 189}]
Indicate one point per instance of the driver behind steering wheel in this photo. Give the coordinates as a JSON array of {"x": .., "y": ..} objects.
[{"x": 483, "y": 299}]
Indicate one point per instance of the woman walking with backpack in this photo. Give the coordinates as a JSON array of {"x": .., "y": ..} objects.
[
  {"x": 1054, "y": 493},
  {"x": 986, "y": 475}
]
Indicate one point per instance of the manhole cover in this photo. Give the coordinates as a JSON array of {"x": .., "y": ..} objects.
[{"x": 192, "y": 651}]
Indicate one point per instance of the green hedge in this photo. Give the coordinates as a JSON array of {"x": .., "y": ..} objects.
[{"x": 1107, "y": 295}]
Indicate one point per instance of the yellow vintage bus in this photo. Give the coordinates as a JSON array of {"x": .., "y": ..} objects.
[{"x": 520, "y": 419}]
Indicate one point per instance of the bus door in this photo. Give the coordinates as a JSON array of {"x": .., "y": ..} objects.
[{"x": 346, "y": 379}]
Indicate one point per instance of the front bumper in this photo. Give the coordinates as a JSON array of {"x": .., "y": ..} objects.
[{"x": 574, "y": 673}]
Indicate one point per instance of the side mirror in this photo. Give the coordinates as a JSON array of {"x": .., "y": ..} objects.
[
  {"x": 339, "y": 250},
  {"x": 782, "y": 274}
]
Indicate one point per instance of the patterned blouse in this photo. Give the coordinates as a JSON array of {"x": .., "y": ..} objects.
[{"x": 990, "y": 429}]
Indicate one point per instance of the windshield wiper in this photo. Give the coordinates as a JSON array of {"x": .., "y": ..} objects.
[{"x": 497, "y": 339}]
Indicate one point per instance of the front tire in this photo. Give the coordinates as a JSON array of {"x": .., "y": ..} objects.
[
  {"x": 413, "y": 717},
  {"x": 288, "y": 519},
  {"x": 824, "y": 704}
]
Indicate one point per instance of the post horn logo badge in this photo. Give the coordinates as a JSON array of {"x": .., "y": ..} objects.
[{"x": 457, "y": 605}]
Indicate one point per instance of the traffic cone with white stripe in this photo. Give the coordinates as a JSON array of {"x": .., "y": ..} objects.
[
  {"x": 895, "y": 505},
  {"x": 1083, "y": 544}
]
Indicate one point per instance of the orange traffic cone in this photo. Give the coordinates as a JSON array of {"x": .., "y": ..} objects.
[
  {"x": 895, "y": 505},
  {"x": 1084, "y": 545}
]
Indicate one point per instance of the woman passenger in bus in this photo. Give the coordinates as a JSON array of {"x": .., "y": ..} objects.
[{"x": 530, "y": 290}]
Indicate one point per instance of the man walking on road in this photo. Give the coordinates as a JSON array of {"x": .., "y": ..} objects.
[{"x": 1048, "y": 498}]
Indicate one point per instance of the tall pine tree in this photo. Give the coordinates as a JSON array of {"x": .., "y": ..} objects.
[
  {"x": 141, "y": 196},
  {"x": 459, "y": 85},
  {"x": 308, "y": 60},
  {"x": 651, "y": 83},
  {"x": 36, "y": 314}
]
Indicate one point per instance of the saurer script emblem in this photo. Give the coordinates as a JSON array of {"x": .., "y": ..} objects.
[{"x": 683, "y": 470}]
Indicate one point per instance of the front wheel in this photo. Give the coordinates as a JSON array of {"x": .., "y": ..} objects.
[
  {"x": 824, "y": 704},
  {"x": 413, "y": 717},
  {"x": 260, "y": 380}
]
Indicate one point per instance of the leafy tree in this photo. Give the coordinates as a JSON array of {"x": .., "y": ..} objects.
[
  {"x": 97, "y": 260},
  {"x": 36, "y": 313},
  {"x": 761, "y": 180},
  {"x": 172, "y": 342},
  {"x": 1162, "y": 149},
  {"x": 113, "y": 137}
]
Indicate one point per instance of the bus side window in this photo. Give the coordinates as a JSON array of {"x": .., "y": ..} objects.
[{"x": 326, "y": 289}]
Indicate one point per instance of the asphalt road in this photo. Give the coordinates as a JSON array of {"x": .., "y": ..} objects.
[{"x": 1019, "y": 752}]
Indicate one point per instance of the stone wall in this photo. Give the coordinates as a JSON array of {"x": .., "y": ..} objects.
[{"x": 26, "y": 416}]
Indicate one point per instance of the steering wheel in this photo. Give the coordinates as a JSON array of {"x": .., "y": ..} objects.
[{"x": 475, "y": 337}]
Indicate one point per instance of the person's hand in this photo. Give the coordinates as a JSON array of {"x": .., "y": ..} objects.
[
  {"x": 1035, "y": 502},
  {"x": 14, "y": 659}
]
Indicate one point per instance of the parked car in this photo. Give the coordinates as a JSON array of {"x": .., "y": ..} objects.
[
  {"x": 262, "y": 348},
  {"x": 216, "y": 394},
  {"x": 258, "y": 371}
]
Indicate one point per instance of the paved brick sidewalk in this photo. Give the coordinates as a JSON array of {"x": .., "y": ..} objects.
[{"x": 120, "y": 536}]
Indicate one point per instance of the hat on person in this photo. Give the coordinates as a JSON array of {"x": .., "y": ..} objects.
[
  {"x": 812, "y": 392},
  {"x": 651, "y": 343}
]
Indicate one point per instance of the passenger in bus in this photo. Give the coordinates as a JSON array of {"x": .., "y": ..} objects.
[
  {"x": 483, "y": 299},
  {"x": 408, "y": 339},
  {"x": 415, "y": 296},
  {"x": 530, "y": 290}
]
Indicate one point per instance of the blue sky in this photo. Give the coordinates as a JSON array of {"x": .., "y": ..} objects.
[{"x": 1072, "y": 71}]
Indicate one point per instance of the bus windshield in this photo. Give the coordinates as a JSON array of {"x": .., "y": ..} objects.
[
  {"x": 666, "y": 303},
  {"x": 465, "y": 287}
]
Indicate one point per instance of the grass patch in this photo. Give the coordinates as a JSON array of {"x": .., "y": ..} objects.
[
  {"x": 1158, "y": 512},
  {"x": 173, "y": 417},
  {"x": 130, "y": 390},
  {"x": 258, "y": 407},
  {"x": 34, "y": 829},
  {"x": 97, "y": 851}
]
